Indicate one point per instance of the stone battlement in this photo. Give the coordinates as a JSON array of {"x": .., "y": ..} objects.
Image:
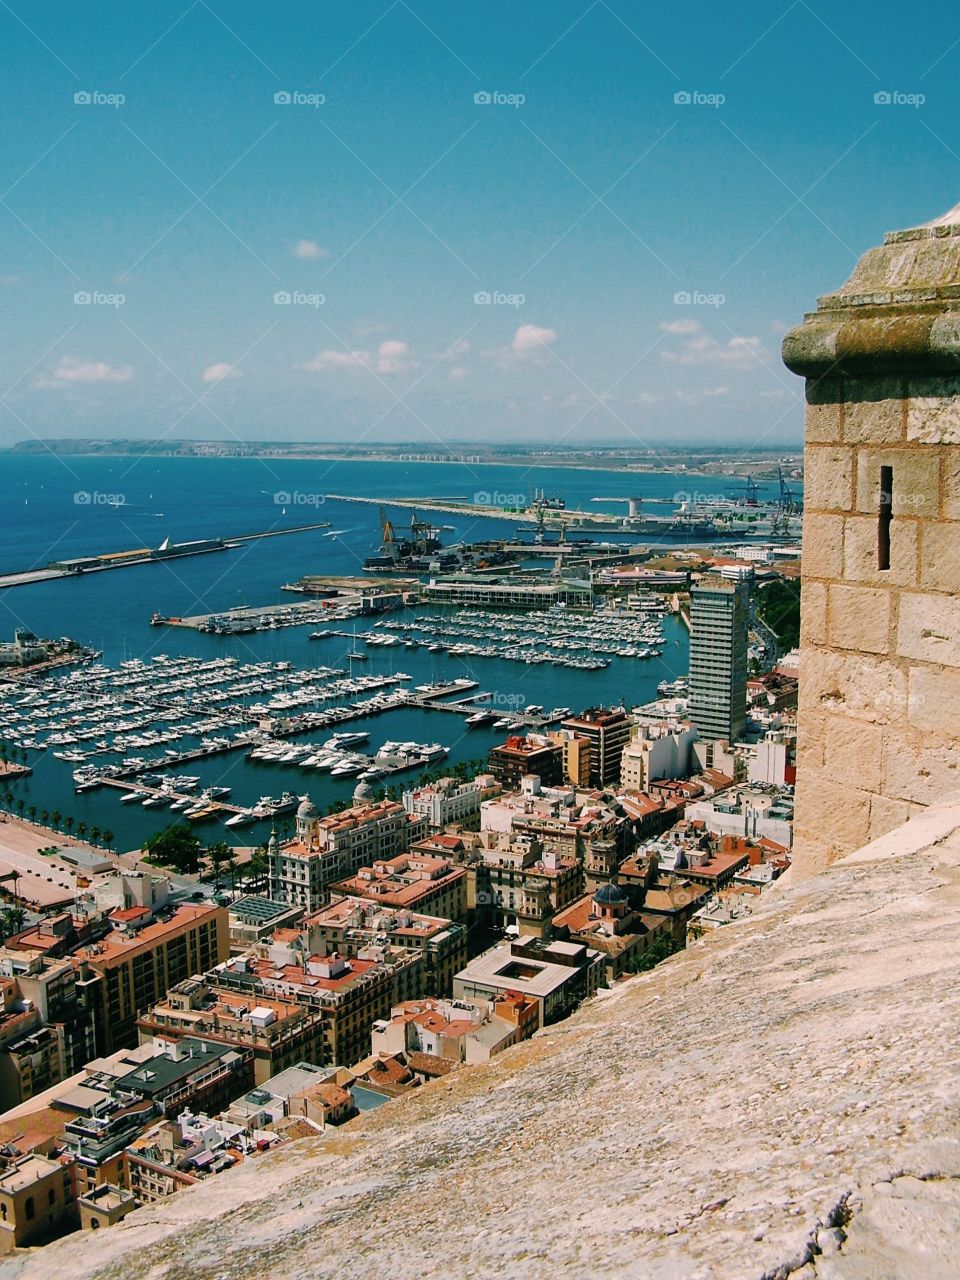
[{"x": 880, "y": 630}]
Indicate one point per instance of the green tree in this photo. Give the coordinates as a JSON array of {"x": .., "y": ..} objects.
[
  {"x": 56, "y": 817},
  {"x": 11, "y": 920},
  {"x": 44, "y": 817},
  {"x": 94, "y": 834},
  {"x": 68, "y": 822},
  {"x": 232, "y": 868},
  {"x": 258, "y": 866},
  {"x": 32, "y": 812},
  {"x": 81, "y": 830},
  {"x": 218, "y": 854},
  {"x": 108, "y": 838},
  {"x": 659, "y": 949},
  {"x": 175, "y": 846}
]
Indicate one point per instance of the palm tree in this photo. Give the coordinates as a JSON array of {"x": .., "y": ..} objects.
[
  {"x": 21, "y": 804},
  {"x": 108, "y": 838},
  {"x": 94, "y": 834},
  {"x": 44, "y": 817},
  {"x": 218, "y": 854},
  {"x": 68, "y": 822},
  {"x": 55, "y": 817},
  {"x": 32, "y": 812},
  {"x": 81, "y": 830},
  {"x": 8, "y": 799}
]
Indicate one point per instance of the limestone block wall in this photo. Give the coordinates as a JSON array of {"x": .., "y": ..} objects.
[
  {"x": 879, "y": 711},
  {"x": 880, "y": 687}
]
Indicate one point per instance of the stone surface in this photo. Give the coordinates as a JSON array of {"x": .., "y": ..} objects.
[
  {"x": 860, "y": 618},
  {"x": 933, "y": 412},
  {"x": 860, "y": 552},
  {"x": 777, "y": 1101},
  {"x": 940, "y": 556},
  {"x": 916, "y": 481},
  {"x": 822, "y": 545},
  {"x": 928, "y": 628},
  {"x": 875, "y": 411},
  {"x": 828, "y": 477}
]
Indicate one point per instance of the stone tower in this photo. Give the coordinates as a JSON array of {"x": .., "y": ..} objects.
[{"x": 880, "y": 624}]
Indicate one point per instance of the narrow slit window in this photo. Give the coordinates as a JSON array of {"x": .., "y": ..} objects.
[{"x": 884, "y": 518}]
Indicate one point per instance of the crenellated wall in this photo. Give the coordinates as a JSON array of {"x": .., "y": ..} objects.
[{"x": 880, "y": 622}]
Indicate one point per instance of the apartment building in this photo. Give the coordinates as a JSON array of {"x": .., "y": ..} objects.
[
  {"x": 414, "y": 881},
  {"x": 447, "y": 801},
  {"x": 608, "y": 732},
  {"x": 147, "y": 952}
]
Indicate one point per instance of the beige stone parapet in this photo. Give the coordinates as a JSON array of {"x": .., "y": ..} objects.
[{"x": 880, "y": 612}]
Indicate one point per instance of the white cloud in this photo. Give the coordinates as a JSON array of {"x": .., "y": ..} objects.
[
  {"x": 697, "y": 397},
  {"x": 217, "y": 372},
  {"x": 742, "y": 353},
  {"x": 309, "y": 249},
  {"x": 531, "y": 337},
  {"x": 337, "y": 360},
  {"x": 72, "y": 369},
  {"x": 389, "y": 357},
  {"x": 457, "y": 373},
  {"x": 680, "y": 326}
]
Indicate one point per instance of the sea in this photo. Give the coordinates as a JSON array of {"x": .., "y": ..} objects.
[{"x": 56, "y": 507}]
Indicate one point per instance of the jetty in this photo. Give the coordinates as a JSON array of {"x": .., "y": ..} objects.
[{"x": 79, "y": 566}]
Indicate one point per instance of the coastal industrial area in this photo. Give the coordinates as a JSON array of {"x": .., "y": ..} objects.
[{"x": 252, "y": 967}]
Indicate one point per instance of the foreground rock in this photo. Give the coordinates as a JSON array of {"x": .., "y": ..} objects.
[{"x": 779, "y": 1100}]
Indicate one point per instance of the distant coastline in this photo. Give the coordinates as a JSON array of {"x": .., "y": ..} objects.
[{"x": 692, "y": 461}]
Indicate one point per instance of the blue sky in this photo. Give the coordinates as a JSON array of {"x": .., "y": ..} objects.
[{"x": 582, "y": 198}]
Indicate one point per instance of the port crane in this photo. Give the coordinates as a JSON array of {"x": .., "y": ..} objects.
[{"x": 788, "y": 499}]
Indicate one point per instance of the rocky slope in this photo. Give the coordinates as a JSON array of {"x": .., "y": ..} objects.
[{"x": 779, "y": 1100}]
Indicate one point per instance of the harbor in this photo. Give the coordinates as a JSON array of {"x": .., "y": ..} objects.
[{"x": 133, "y": 747}]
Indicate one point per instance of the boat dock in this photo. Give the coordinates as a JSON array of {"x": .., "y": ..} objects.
[
  {"x": 213, "y": 809},
  {"x": 246, "y": 618}
]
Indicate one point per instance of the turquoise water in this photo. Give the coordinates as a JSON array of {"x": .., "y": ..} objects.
[{"x": 198, "y": 498}]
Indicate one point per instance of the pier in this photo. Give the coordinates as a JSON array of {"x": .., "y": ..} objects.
[
  {"x": 82, "y": 565},
  {"x": 213, "y": 808}
]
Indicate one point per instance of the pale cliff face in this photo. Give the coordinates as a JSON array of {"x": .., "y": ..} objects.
[{"x": 788, "y": 1075}]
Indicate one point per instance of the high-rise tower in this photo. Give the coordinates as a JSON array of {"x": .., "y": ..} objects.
[{"x": 718, "y": 659}]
